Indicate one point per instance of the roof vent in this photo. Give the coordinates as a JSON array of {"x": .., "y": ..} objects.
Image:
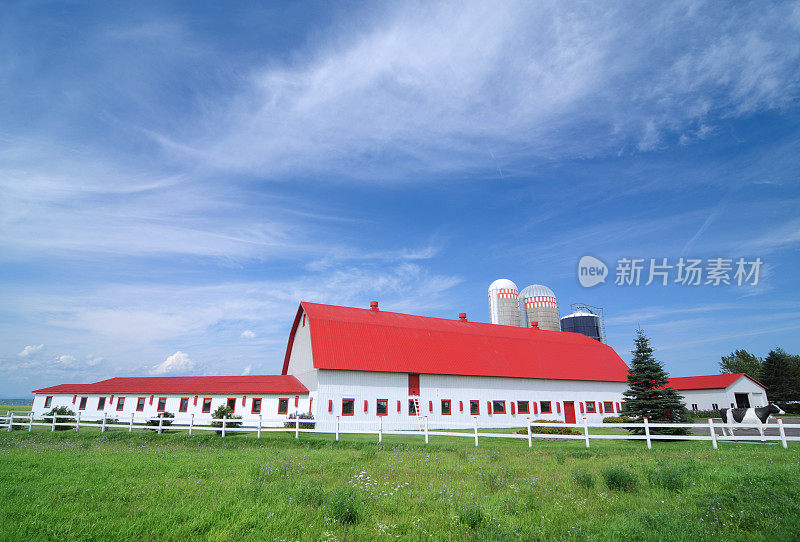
[
  {"x": 373, "y": 305},
  {"x": 534, "y": 325},
  {"x": 462, "y": 316}
]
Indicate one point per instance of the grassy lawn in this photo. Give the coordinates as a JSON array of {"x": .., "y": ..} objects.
[{"x": 71, "y": 486}]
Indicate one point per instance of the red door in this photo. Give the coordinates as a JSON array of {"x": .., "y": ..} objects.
[
  {"x": 569, "y": 412},
  {"x": 413, "y": 384}
]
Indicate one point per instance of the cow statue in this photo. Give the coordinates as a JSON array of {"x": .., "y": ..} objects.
[{"x": 749, "y": 416}]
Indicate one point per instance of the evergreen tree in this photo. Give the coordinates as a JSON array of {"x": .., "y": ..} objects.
[
  {"x": 648, "y": 393},
  {"x": 741, "y": 361}
]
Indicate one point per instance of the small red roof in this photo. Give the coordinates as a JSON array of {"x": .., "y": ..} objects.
[
  {"x": 708, "y": 382},
  {"x": 189, "y": 385},
  {"x": 372, "y": 340}
]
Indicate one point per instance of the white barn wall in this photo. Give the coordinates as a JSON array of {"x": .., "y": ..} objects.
[
  {"x": 724, "y": 397},
  {"x": 301, "y": 359}
]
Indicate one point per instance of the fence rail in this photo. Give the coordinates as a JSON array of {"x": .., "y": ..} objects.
[{"x": 25, "y": 420}]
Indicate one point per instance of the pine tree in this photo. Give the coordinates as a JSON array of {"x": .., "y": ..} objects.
[
  {"x": 741, "y": 361},
  {"x": 648, "y": 393}
]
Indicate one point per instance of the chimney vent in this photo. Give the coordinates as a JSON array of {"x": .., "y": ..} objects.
[
  {"x": 373, "y": 305},
  {"x": 462, "y": 316}
]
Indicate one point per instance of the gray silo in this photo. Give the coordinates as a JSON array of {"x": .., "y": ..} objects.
[
  {"x": 538, "y": 304},
  {"x": 504, "y": 303},
  {"x": 585, "y": 320}
]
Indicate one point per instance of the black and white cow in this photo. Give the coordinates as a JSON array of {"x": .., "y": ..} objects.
[{"x": 749, "y": 416}]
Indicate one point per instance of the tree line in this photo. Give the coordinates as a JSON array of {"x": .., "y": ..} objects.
[{"x": 779, "y": 371}]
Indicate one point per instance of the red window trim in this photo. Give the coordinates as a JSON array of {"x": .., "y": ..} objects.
[
  {"x": 430, "y": 406},
  {"x": 158, "y": 405},
  {"x": 244, "y": 400},
  {"x": 536, "y": 407},
  {"x": 84, "y": 401},
  {"x": 461, "y": 406},
  {"x": 504, "y": 407},
  {"x": 253, "y": 405},
  {"x": 48, "y": 401},
  {"x": 600, "y": 407},
  {"x": 286, "y": 411},
  {"x": 330, "y": 405},
  {"x": 594, "y": 406},
  {"x": 477, "y": 404},
  {"x": 489, "y": 407},
  {"x": 353, "y": 413},
  {"x": 366, "y": 406},
  {"x": 120, "y": 403},
  {"x": 513, "y": 408},
  {"x": 582, "y": 411},
  {"x": 143, "y": 400},
  {"x": 195, "y": 400},
  {"x": 451, "y": 407},
  {"x": 180, "y": 402},
  {"x": 558, "y": 407},
  {"x": 527, "y": 407},
  {"x": 612, "y": 406},
  {"x": 549, "y": 404},
  {"x": 202, "y": 407},
  {"x": 399, "y": 406},
  {"x": 411, "y": 404},
  {"x": 377, "y": 412},
  {"x": 297, "y": 400},
  {"x": 228, "y": 401},
  {"x": 151, "y": 399},
  {"x": 104, "y": 403},
  {"x": 74, "y": 398}
]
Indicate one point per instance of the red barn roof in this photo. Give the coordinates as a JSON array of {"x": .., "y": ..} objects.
[
  {"x": 189, "y": 385},
  {"x": 372, "y": 340},
  {"x": 709, "y": 382}
]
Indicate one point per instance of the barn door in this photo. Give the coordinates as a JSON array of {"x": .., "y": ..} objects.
[
  {"x": 742, "y": 401},
  {"x": 413, "y": 384},
  {"x": 569, "y": 411}
]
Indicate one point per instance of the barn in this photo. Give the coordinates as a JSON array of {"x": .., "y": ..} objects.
[
  {"x": 712, "y": 392},
  {"x": 364, "y": 365}
]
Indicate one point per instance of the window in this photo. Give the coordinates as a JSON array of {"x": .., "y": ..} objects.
[
  {"x": 162, "y": 404},
  {"x": 283, "y": 406},
  {"x": 590, "y": 408},
  {"x": 546, "y": 408},
  {"x": 256, "y": 407},
  {"x": 101, "y": 403},
  {"x": 523, "y": 407},
  {"x": 232, "y": 404},
  {"x": 348, "y": 407},
  {"x": 445, "y": 407},
  {"x": 382, "y": 407},
  {"x": 184, "y": 405},
  {"x": 120, "y": 403},
  {"x": 140, "y": 404},
  {"x": 82, "y": 405},
  {"x": 608, "y": 406},
  {"x": 474, "y": 408},
  {"x": 47, "y": 401},
  {"x": 694, "y": 406},
  {"x": 498, "y": 407},
  {"x": 412, "y": 408},
  {"x": 715, "y": 406},
  {"x": 206, "y": 404}
]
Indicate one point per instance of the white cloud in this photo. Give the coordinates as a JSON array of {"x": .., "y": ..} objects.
[
  {"x": 31, "y": 350},
  {"x": 65, "y": 359},
  {"x": 247, "y": 370},
  {"x": 177, "y": 362},
  {"x": 248, "y": 334}
]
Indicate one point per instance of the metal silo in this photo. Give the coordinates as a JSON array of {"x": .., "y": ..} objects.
[
  {"x": 504, "y": 303},
  {"x": 586, "y": 320},
  {"x": 538, "y": 304}
]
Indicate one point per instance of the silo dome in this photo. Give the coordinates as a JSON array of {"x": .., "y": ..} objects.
[
  {"x": 504, "y": 303},
  {"x": 538, "y": 304}
]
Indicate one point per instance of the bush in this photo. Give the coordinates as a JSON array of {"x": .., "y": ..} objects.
[
  {"x": 345, "y": 505},
  {"x": 619, "y": 479},
  {"x": 167, "y": 418},
  {"x": 301, "y": 416},
  {"x": 222, "y": 412},
  {"x": 69, "y": 416},
  {"x": 471, "y": 516},
  {"x": 583, "y": 479},
  {"x": 620, "y": 419},
  {"x": 704, "y": 414},
  {"x": 549, "y": 430}
]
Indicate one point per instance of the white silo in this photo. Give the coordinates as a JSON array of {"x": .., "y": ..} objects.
[
  {"x": 504, "y": 303},
  {"x": 538, "y": 304}
]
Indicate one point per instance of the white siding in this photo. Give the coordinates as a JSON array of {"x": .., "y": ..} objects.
[
  {"x": 724, "y": 397},
  {"x": 301, "y": 359}
]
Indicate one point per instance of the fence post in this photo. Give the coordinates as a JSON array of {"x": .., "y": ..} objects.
[
  {"x": 530, "y": 441},
  {"x": 30, "y": 422},
  {"x": 713, "y": 433},
  {"x": 647, "y": 433},
  {"x": 297, "y": 426},
  {"x": 380, "y": 429},
  {"x": 586, "y": 431},
  {"x": 426, "y": 430},
  {"x": 782, "y": 433},
  {"x": 337, "y": 428},
  {"x": 476, "y": 431},
  {"x": 259, "y": 426},
  {"x": 130, "y": 427},
  {"x": 160, "y": 423},
  {"x": 224, "y": 419},
  {"x": 191, "y": 424},
  {"x": 103, "y": 425},
  {"x": 10, "y": 421},
  {"x": 53, "y": 427},
  {"x": 78, "y": 421}
]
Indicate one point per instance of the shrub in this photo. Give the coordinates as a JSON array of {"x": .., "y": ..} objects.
[
  {"x": 167, "y": 418},
  {"x": 68, "y": 416},
  {"x": 620, "y": 419},
  {"x": 549, "y": 430},
  {"x": 583, "y": 479},
  {"x": 619, "y": 479},
  {"x": 222, "y": 412},
  {"x": 704, "y": 414},
  {"x": 345, "y": 505},
  {"x": 301, "y": 416},
  {"x": 471, "y": 516}
]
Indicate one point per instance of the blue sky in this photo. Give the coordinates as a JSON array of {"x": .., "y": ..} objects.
[{"x": 176, "y": 177}]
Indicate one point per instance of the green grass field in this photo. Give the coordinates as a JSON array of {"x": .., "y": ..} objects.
[{"x": 88, "y": 486}]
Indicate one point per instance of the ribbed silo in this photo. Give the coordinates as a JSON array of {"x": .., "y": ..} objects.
[
  {"x": 504, "y": 303},
  {"x": 583, "y": 321},
  {"x": 538, "y": 304}
]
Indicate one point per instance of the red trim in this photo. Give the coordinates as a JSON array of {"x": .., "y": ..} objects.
[
  {"x": 111, "y": 399},
  {"x": 430, "y": 406},
  {"x": 283, "y": 405},
  {"x": 140, "y": 403},
  {"x": 296, "y": 400},
  {"x": 291, "y": 340},
  {"x": 477, "y": 407},
  {"x": 707, "y": 382},
  {"x": 489, "y": 407},
  {"x": 151, "y": 399},
  {"x": 399, "y": 406},
  {"x": 195, "y": 400},
  {"x": 48, "y": 401},
  {"x": 594, "y": 408},
  {"x": 180, "y": 404},
  {"x": 582, "y": 411},
  {"x": 120, "y": 403},
  {"x": 74, "y": 398},
  {"x": 461, "y": 406},
  {"x": 366, "y": 405},
  {"x": 330, "y": 405},
  {"x": 549, "y": 407},
  {"x": 83, "y": 402},
  {"x": 619, "y": 408},
  {"x": 353, "y": 412},
  {"x": 558, "y": 407},
  {"x": 377, "y": 410},
  {"x": 203, "y": 408},
  {"x": 159, "y": 408},
  {"x": 450, "y": 409},
  {"x": 535, "y": 407},
  {"x": 513, "y": 408},
  {"x": 244, "y": 399},
  {"x": 494, "y": 411},
  {"x": 231, "y": 402},
  {"x": 733, "y": 405},
  {"x": 253, "y": 405},
  {"x": 600, "y": 407},
  {"x": 527, "y": 407},
  {"x": 98, "y": 403}
]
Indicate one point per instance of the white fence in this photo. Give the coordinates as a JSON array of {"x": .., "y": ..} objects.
[{"x": 707, "y": 431}]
